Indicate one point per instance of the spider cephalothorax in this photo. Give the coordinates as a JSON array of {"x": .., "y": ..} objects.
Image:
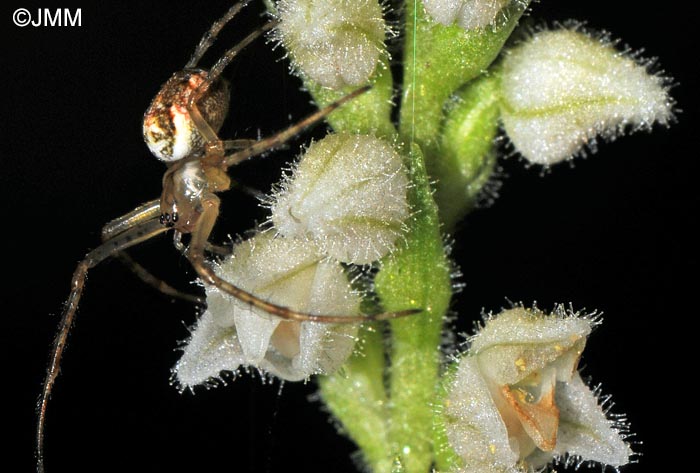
[{"x": 185, "y": 186}]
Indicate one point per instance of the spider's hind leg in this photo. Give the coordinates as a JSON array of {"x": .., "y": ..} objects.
[
  {"x": 210, "y": 205},
  {"x": 156, "y": 283}
]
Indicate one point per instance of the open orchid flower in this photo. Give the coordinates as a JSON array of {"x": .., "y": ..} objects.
[
  {"x": 517, "y": 401},
  {"x": 231, "y": 334},
  {"x": 344, "y": 202}
]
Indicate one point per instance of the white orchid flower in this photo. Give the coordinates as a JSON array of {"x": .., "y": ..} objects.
[
  {"x": 231, "y": 334},
  {"x": 517, "y": 401}
]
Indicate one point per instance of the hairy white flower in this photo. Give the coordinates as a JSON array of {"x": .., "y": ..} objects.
[
  {"x": 334, "y": 42},
  {"x": 562, "y": 88},
  {"x": 347, "y": 193},
  {"x": 231, "y": 334},
  {"x": 468, "y": 14},
  {"x": 517, "y": 401}
]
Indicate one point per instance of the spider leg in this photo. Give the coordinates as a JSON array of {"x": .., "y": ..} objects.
[
  {"x": 213, "y": 146},
  {"x": 281, "y": 137},
  {"x": 145, "y": 212},
  {"x": 228, "y": 56},
  {"x": 239, "y": 144},
  {"x": 210, "y": 203},
  {"x": 251, "y": 191},
  {"x": 139, "y": 233},
  {"x": 210, "y": 36},
  {"x": 219, "y": 250},
  {"x": 156, "y": 283}
]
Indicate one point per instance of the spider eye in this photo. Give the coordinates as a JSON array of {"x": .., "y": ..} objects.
[{"x": 168, "y": 129}]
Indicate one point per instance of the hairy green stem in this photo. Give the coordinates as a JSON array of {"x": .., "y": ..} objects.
[
  {"x": 368, "y": 114},
  {"x": 357, "y": 399},
  {"x": 417, "y": 275},
  {"x": 438, "y": 60}
]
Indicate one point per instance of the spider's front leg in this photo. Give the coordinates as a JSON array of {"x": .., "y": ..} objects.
[
  {"x": 139, "y": 230},
  {"x": 211, "y": 106},
  {"x": 143, "y": 213}
]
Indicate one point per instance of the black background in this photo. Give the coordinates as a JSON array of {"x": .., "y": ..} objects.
[{"x": 608, "y": 233}]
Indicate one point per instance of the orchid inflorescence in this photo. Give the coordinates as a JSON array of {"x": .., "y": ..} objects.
[{"x": 378, "y": 194}]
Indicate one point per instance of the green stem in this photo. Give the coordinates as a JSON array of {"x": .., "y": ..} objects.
[
  {"x": 439, "y": 60},
  {"x": 417, "y": 275},
  {"x": 357, "y": 399},
  {"x": 369, "y": 113}
]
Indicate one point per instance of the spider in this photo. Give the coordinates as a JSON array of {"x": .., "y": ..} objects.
[{"x": 181, "y": 128}]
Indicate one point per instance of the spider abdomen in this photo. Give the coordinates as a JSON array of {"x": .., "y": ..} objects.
[{"x": 168, "y": 128}]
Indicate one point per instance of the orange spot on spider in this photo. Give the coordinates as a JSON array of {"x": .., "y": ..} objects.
[
  {"x": 195, "y": 81},
  {"x": 178, "y": 110}
]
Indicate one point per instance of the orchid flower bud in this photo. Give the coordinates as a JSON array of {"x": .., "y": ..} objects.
[
  {"x": 232, "y": 334},
  {"x": 563, "y": 88},
  {"x": 517, "y": 401},
  {"x": 336, "y": 43},
  {"x": 348, "y": 194},
  {"x": 468, "y": 14}
]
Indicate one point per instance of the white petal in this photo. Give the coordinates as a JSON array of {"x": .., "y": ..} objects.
[
  {"x": 210, "y": 350},
  {"x": 347, "y": 193},
  {"x": 584, "y": 430},
  {"x": 468, "y": 14},
  {"x": 475, "y": 429},
  {"x": 519, "y": 342},
  {"x": 262, "y": 266},
  {"x": 562, "y": 88},
  {"x": 323, "y": 348},
  {"x": 328, "y": 346},
  {"x": 254, "y": 332},
  {"x": 334, "y": 42},
  {"x": 287, "y": 272}
]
